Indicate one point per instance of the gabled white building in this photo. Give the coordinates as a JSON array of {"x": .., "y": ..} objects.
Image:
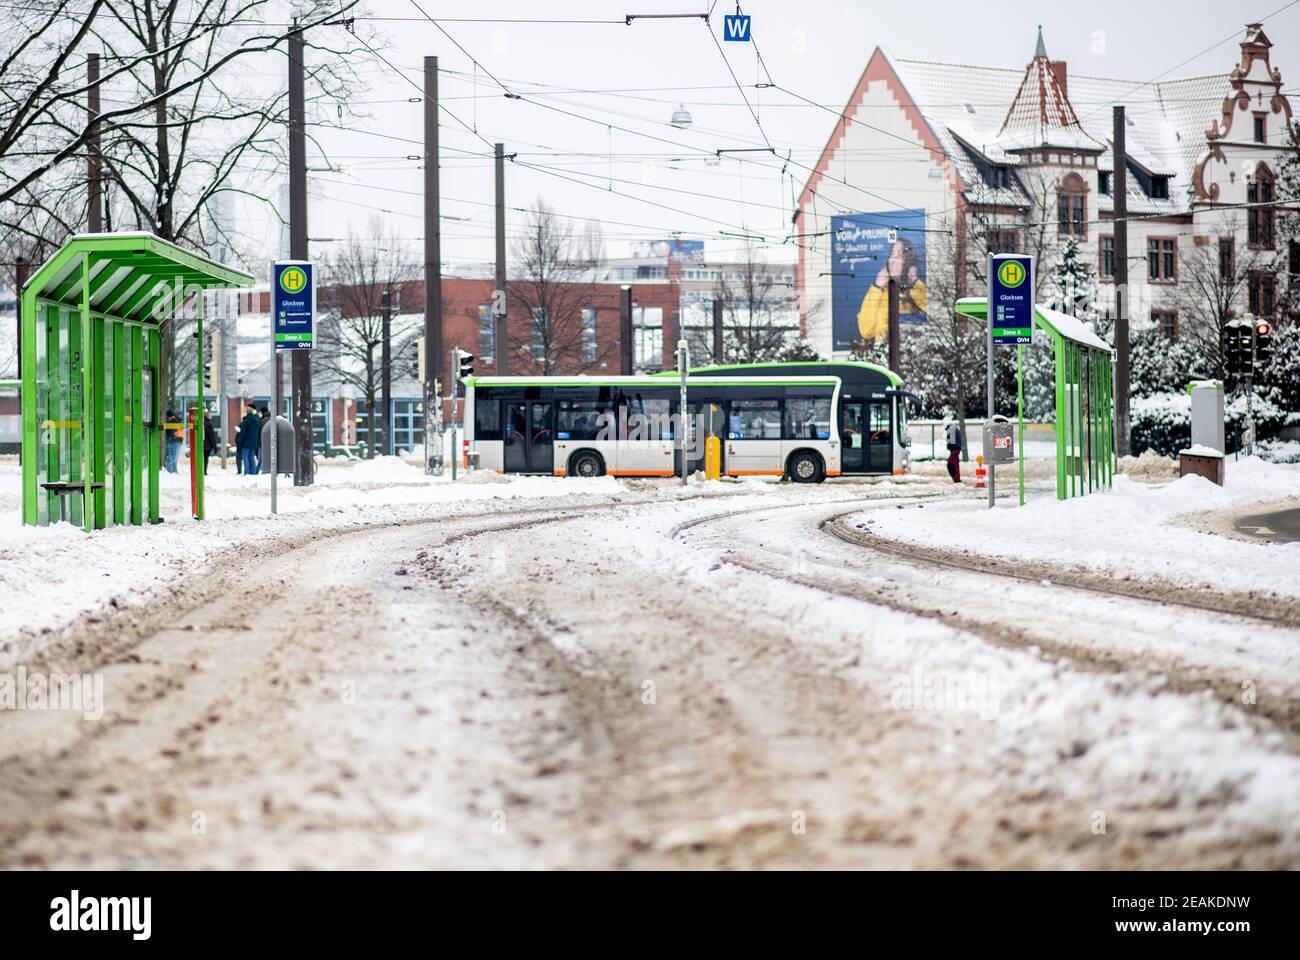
[{"x": 932, "y": 164}]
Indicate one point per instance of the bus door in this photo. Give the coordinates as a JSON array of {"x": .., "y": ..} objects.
[
  {"x": 529, "y": 438},
  {"x": 706, "y": 420},
  {"x": 853, "y": 435},
  {"x": 880, "y": 438},
  {"x": 753, "y": 444}
]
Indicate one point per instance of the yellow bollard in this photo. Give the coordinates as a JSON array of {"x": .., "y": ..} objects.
[{"x": 713, "y": 458}]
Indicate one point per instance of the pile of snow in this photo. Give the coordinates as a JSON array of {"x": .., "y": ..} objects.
[
  {"x": 1126, "y": 532},
  {"x": 1149, "y": 466}
]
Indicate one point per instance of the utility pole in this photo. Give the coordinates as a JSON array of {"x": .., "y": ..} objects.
[
  {"x": 500, "y": 341},
  {"x": 386, "y": 373},
  {"x": 625, "y": 332},
  {"x": 1119, "y": 190},
  {"x": 719, "y": 347},
  {"x": 894, "y": 333},
  {"x": 305, "y": 468},
  {"x": 432, "y": 276},
  {"x": 94, "y": 198}
]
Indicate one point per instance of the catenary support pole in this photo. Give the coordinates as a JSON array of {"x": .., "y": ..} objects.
[
  {"x": 305, "y": 465},
  {"x": 500, "y": 336},
  {"x": 433, "y": 356},
  {"x": 625, "y": 351},
  {"x": 94, "y": 186},
  {"x": 386, "y": 372},
  {"x": 1119, "y": 190},
  {"x": 719, "y": 346},
  {"x": 895, "y": 336}
]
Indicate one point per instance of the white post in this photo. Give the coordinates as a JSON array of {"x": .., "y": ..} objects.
[{"x": 683, "y": 365}]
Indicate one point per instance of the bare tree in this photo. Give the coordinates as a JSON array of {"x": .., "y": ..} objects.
[
  {"x": 1212, "y": 282},
  {"x": 760, "y": 311},
  {"x": 351, "y": 337},
  {"x": 556, "y": 286},
  {"x": 945, "y": 356},
  {"x": 180, "y": 124}
]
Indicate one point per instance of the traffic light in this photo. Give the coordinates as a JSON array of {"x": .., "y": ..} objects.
[
  {"x": 464, "y": 364},
  {"x": 1263, "y": 343},
  {"x": 1236, "y": 348},
  {"x": 212, "y": 361}
]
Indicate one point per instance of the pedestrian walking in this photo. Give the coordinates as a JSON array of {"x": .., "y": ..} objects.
[
  {"x": 209, "y": 439},
  {"x": 173, "y": 439},
  {"x": 954, "y": 451},
  {"x": 249, "y": 440}
]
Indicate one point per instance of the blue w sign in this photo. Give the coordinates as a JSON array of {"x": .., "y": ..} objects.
[{"x": 736, "y": 28}]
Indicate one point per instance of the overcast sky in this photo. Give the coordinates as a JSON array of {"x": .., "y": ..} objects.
[{"x": 816, "y": 48}]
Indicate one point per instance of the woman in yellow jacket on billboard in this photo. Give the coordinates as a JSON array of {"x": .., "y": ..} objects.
[{"x": 904, "y": 266}]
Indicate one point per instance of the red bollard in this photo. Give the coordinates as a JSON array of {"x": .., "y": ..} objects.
[{"x": 192, "y": 430}]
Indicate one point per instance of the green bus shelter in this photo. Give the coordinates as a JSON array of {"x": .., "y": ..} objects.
[
  {"x": 1085, "y": 408},
  {"x": 92, "y": 317}
]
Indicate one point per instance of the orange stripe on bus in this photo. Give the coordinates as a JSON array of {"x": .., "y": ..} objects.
[
  {"x": 755, "y": 473},
  {"x": 642, "y": 473}
]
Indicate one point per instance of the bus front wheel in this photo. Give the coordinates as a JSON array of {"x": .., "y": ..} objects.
[
  {"x": 586, "y": 464},
  {"x": 806, "y": 467}
]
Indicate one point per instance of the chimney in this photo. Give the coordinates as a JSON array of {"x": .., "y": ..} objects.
[{"x": 1058, "y": 71}]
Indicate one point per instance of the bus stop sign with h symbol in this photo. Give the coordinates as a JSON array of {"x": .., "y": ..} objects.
[{"x": 1011, "y": 298}]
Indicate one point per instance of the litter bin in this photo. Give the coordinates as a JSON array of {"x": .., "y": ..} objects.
[{"x": 286, "y": 446}]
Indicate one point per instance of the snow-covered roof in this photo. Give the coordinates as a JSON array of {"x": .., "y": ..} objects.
[
  {"x": 996, "y": 110},
  {"x": 1072, "y": 328}
]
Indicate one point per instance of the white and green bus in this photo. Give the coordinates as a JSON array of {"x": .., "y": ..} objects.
[{"x": 627, "y": 426}]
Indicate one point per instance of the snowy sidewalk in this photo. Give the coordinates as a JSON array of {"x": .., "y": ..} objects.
[{"x": 1134, "y": 531}]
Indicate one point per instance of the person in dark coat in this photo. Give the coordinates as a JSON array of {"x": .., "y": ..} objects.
[
  {"x": 209, "y": 439},
  {"x": 174, "y": 440},
  {"x": 954, "y": 451},
  {"x": 249, "y": 440}
]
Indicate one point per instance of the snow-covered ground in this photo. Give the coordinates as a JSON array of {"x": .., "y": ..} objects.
[
  {"x": 51, "y": 576},
  {"x": 1131, "y": 531}
]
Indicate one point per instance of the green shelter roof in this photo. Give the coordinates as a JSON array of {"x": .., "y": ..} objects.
[
  {"x": 1053, "y": 321},
  {"x": 128, "y": 273}
]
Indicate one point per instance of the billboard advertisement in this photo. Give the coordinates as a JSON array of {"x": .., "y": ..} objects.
[{"x": 867, "y": 249}]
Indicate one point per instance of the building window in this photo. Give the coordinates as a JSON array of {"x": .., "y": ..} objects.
[
  {"x": 408, "y": 424},
  {"x": 1071, "y": 207},
  {"x": 1160, "y": 188},
  {"x": 1227, "y": 259},
  {"x": 1162, "y": 260},
  {"x": 1260, "y": 214},
  {"x": 1166, "y": 321},
  {"x": 1004, "y": 241},
  {"x": 1293, "y": 257},
  {"x": 1261, "y": 294},
  {"x": 1260, "y": 128},
  {"x": 486, "y": 334},
  {"x": 1107, "y": 265},
  {"x": 1103, "y": 182},
  {"x": 589, "y": 334}
]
